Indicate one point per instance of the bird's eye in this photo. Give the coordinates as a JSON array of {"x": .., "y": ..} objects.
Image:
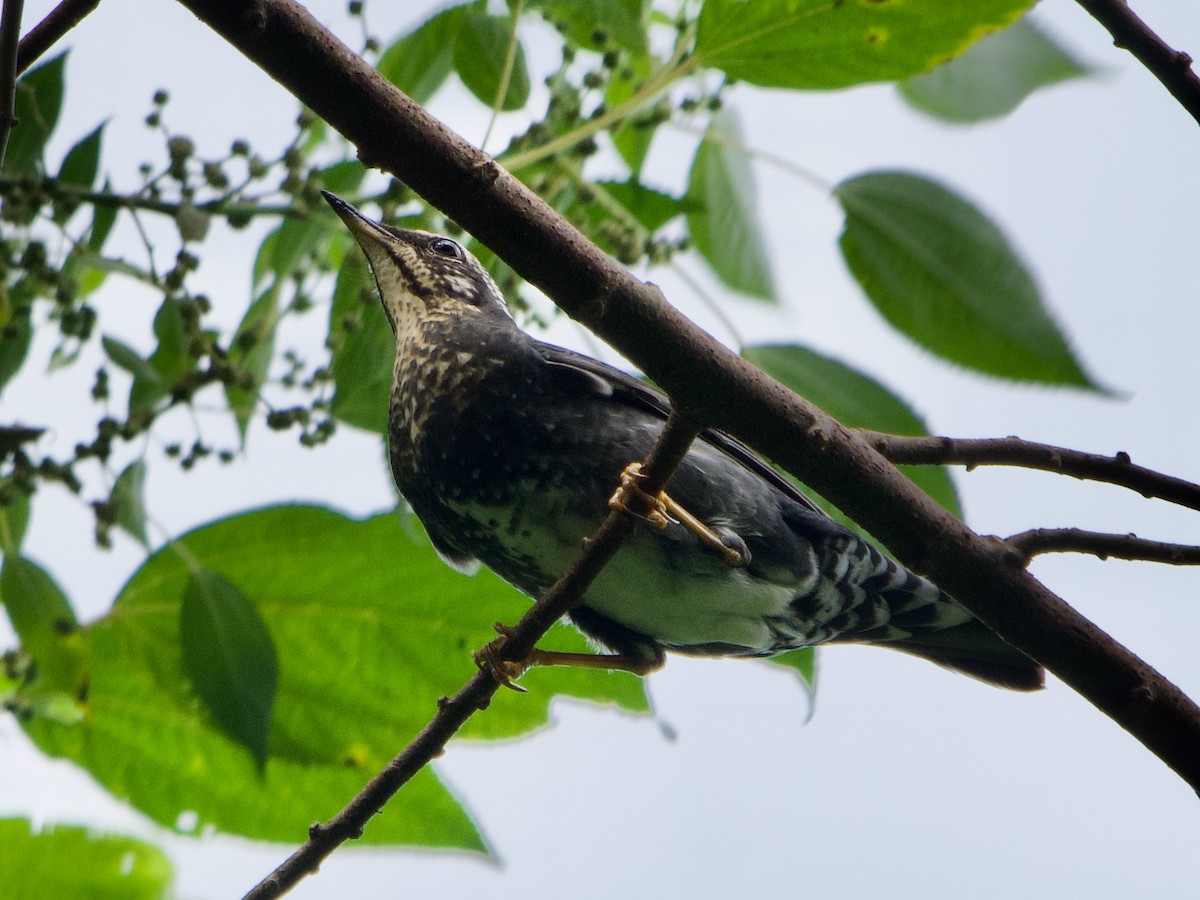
[{"x": 446, "y": 247}]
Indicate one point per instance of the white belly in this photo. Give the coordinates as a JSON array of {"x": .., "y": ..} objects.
[{"x": 646, "y": 587}]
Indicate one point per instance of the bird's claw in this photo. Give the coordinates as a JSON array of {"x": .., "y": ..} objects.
[
  {"x": 655, "y": 508},
  {"x": 504, "y": 672},
  {"x": 663, "y": 511}
]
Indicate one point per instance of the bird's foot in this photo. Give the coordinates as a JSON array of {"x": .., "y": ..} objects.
[
  {"x": 662, "y": 511},
  {"x": 506, "y": 672},
  {"x": 653, "y": 509}
]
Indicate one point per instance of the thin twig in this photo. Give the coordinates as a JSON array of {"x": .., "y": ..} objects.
[
  {"x": 1121, "y": 546},
  {"x": 658, "y": 82},
  {"x": 475, "y": 695},
  {"x": 10, "y": 32},
  {"x": 1013, "y": 451},
  {"x": 1172, "y": 67},
  {"x": 13, "y": 436},
  {"x": 46, "y": 33},
  {"x": 221, "y": 206},
  {"x": 510, "y": 57}
]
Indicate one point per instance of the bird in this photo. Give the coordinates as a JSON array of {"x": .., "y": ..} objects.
[{"x": 508, "y": 448}]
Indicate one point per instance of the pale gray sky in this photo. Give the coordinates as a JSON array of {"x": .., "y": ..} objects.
[{"x": 908, "y": 781}]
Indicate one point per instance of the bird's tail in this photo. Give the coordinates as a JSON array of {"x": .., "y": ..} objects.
[
  {"x": 916, "y": 617},
  {"x": 974, "y": 649}
]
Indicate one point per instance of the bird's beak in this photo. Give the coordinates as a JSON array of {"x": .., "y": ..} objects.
[
  {"x": 365, "y": 231},
  {"x": 390, "y": 256},
  {"x": 377, "y": 242}
]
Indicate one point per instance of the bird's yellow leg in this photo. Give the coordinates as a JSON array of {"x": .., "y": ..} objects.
[
  {"x": 654, "y": 509},
  {"x": 506, "y": 672},
  {"x": 663, "y": 511}
]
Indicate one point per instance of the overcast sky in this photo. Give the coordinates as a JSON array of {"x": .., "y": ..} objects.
[{"x": 907, "y": 781}]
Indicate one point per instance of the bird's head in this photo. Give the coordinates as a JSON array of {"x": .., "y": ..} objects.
[{"x": 420, "y": 276}]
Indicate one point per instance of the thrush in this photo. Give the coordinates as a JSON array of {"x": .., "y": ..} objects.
[{"x": 508, "y": 450}]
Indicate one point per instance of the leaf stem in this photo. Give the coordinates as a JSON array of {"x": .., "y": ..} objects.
[
  {"x": 711, "y": 302},
  {"x": 782, "y": 163},
  {"x": 219, "y": 206},
  {"x": 510, "y": 56},
  {"x": 659, "y": 81}
]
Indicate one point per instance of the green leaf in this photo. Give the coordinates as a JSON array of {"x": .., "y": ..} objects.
[
  {"x": 615, "y": 214},
  {"x": 633, "y": 137},
  {"x": 818, "y": 44},
  {"x": 64, "y": 355},
  {"x": 82, "y": 161},
  {"x": 37, "y": 103},
  {"x": 993, "y": 77},
  {"x": 480, "y": 53},
  {"x": 14, "y": 519},
  {"x": 39, "y": 611},
  {"x": 67, "y": 861},
  {"x": 364, "y": 349},
  {"x": 85, "y": 264},
  {"x": 16, "y": 334},
  {"x": 619, "y": 22},
  {"x": 282, "y": 252},
  {"x": 803, "y": 663},
  {"x": 370, "y": 629},
  {"x": 723, "y": 212},
  {"x": 128, "y": 494},
  {"x": 857, "y": 401},
  {"x": 230, "y": 658},
  {"x": 103, "y": 219},
  {"x": 170, "y": 360},
  {"x": 45, "y": 623},
  {"x": 419, "y": 63},
  {"x": 945, "y": 276},
  {"x": 79, "y": 170},
  {"x": 252, "y": 349},
  {"x": 125, "y": 357},
  {"x": 343, "y": 177},
  {"x": 652, "y": 209},
  {"x": 108, "y": 264}
]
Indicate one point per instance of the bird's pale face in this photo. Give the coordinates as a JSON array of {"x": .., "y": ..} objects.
[{"x": 420, "y": 275}]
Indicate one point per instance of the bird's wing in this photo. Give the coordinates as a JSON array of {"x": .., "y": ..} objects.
[{"x": 611, "y": 382}]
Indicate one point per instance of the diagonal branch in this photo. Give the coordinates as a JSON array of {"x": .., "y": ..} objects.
[
  {"x": 1172, "y": 67},
  {"x": 46, "y": 33},
  {"x": 984, "y": 574},
  {"x": 1122, "y": 546},
  {"x": 1012, "y": 451},
  {"x": 475, "y": 695}
]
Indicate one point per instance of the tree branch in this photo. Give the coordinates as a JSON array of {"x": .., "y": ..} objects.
[
  {"x": 1172, "y": 67},
  {"x": 1012, "y": 451},
  {"x": 984, "y": 574},
  {"x": 10, "y": 31},
  {"x": 46, "y": 33},
  {"x": 430, "y": 743},
  {"x": 13, "y": 436},
  {"x": 1122, "y": 546}
]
